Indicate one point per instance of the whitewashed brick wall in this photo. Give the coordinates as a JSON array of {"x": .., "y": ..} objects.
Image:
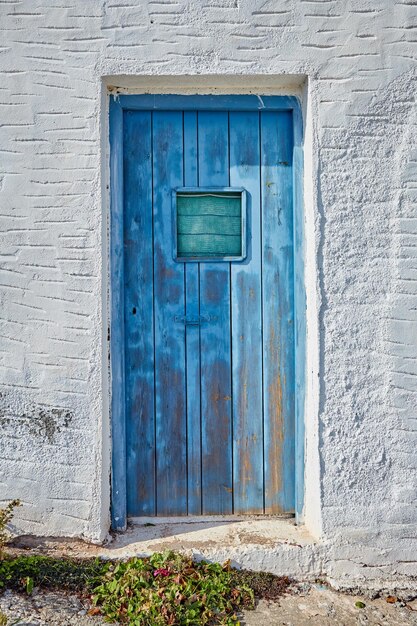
[{"x": 360, "y": 57}]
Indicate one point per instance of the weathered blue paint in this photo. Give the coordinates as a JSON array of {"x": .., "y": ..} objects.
[
  {"x": 138, "y": 308},
  {"x": 216, "y": 383},
  {"x": 118, "y": 421},
  {"x": 278, "y": 310},
  {"x": 169, "y": 300},
  {"x": 202, "y": 328},
  {"x": 246, "y": 291},
  {"x": 209, "y": 103},
  {"x": 192, "y": 335}
]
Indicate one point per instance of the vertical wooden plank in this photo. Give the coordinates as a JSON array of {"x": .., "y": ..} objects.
[
  {"x": 118, "y": 486},
  {"x": 139, "y": 348},
  {"x": 192, "y": 307},
  {"x": 216, "y": 390},
  {"x": 169, "y": 302},
  {"x": 278, "y": 309},
  {"x": 247, "y": 323}
]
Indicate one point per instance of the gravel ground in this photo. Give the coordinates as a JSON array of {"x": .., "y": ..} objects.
[
  {"x": 317, "y": 605},
  {"x": 46, "y": 609},
  {"x": 314, "y": 605}
]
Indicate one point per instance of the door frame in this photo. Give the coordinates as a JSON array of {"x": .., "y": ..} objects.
[{"x": 118, "y": 104}]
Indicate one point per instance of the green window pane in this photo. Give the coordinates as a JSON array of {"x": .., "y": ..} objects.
[{"x": 209, "y": 225}]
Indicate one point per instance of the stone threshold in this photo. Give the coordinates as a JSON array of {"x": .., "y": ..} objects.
[{"x": 262, "y": 543}]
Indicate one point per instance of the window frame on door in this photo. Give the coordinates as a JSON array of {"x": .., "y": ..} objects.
[
  {"x": 153, "y": 102},
  {"x": 209, "y": 191}
]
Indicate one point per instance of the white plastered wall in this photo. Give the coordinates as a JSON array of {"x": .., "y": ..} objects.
[{"x": 360, "y": 192}]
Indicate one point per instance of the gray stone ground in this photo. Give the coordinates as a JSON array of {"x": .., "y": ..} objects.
[{"x": 314, "y": 605}]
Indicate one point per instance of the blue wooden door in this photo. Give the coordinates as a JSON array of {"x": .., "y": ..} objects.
[{"x": 209, "y": 404}]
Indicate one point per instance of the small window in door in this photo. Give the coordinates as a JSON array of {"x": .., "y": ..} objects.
[{"x": 209, "y": 224}]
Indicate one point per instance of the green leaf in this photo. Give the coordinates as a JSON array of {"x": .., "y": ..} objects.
[{"x": 29, "y": 585}]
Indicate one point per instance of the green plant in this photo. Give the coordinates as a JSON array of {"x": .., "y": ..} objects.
[
  {"x": 28, "y": 571},
  {"x": 170, "y": 589},
  {"x": 6, "y": 516},
  {"x": 164, "y": 589}
]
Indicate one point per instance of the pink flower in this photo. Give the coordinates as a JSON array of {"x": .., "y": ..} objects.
[{"x": 161, "y": 572}]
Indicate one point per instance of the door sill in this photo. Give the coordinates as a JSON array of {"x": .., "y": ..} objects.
[
  {"x": 202, "y": 519},
  {"x": 256, "y": 542}
]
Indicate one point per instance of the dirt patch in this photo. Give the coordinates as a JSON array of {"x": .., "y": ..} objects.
[
  {"x": 51, "y": 546},
  {"x": 266, "y": 586},
  {"x": 255, "y": 539}
]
